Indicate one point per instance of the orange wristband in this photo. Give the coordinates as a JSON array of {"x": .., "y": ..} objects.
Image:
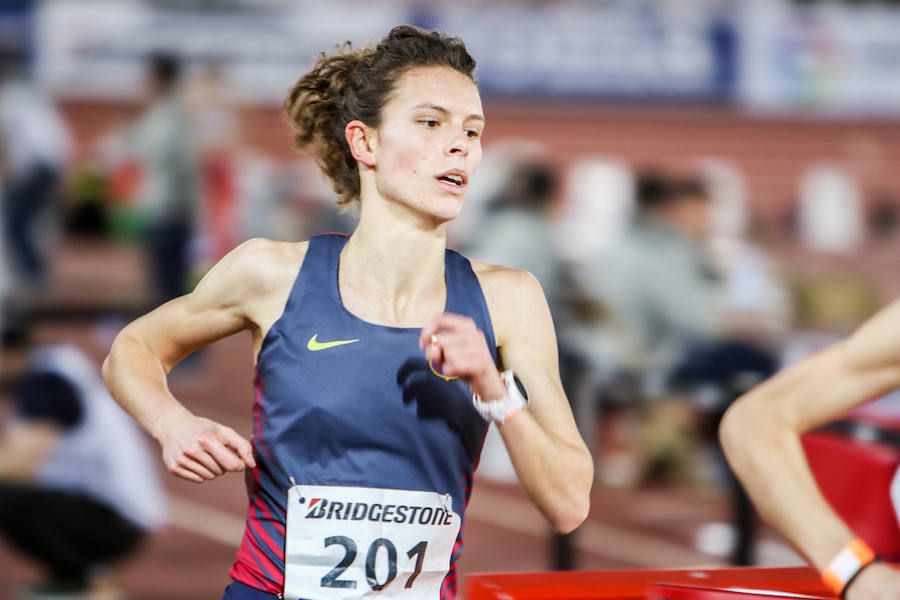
[{"x": 846, "y": 565}]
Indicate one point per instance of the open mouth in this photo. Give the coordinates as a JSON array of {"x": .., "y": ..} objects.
[
  {"x": 457, "y": 180},
  {"x": 454, "y": 180}
]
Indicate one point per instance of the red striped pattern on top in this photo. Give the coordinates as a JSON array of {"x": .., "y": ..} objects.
[
  {"x": 253, "y": 566},
  {"x": 259, "y": 415}
]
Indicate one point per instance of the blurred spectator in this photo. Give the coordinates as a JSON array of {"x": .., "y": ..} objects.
[
  {"x": 4, "y": 290},
  {"x": 217, "y": 136},
  {"x": 515, "y": 229},
  {"x": 78, "y": 486},
  {"x": 735, "y": 347},
  {"x": 34, "y": 147},
  {"x": 756, "y": 298},
  {"x": 263, "y": 189},
  {"x": 656, "y": 282},
  {"x": 674, "y": 329},
  {"x": 162, "y": 144},
  {"x": 884, "y": 218}
]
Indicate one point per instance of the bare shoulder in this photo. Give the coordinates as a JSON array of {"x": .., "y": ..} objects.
[
  {"x": 259, "y": 262},
  {"x": 267, "y": 263},
  {"x": 255, "y": 277},
  {"x": 514, "y": 297},
  {"x": 502, "y": 280}
]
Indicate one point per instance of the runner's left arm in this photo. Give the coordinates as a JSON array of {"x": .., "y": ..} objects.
[{"x": 551, "y": 460}]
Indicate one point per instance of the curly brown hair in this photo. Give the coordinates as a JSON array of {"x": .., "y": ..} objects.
[{"x": 348, "y": 84}]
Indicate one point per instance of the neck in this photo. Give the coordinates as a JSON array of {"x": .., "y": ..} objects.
[
  {"x": 396, "y": 265},
  {"x": 395, "y": 254}
]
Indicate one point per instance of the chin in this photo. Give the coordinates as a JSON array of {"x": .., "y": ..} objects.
[
  {"x": 446, "y": 210},
  {"x": 438, "y": 208}
]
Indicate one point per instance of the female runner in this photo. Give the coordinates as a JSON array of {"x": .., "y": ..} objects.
[{"x": 376, "y": 354}]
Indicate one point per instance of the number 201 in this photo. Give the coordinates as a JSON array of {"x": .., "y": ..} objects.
[{"x": 330, "y": 580}]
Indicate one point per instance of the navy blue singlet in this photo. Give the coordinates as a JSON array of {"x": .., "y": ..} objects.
[{"x": 368, "y": 413}]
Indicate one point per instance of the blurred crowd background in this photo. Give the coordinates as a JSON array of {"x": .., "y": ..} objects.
[{"x": 706, "y": 189}]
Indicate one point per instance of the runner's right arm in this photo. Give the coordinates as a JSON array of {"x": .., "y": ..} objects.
[
  {"x": 761, "y": 438},
  {"x": 242, "y": 291}
]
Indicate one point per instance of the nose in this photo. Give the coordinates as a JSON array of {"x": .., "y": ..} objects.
[{"x": 460, "y": 144}]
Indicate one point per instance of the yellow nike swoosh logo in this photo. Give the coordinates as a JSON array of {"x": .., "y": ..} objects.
[{"x": 315, "y": 345}]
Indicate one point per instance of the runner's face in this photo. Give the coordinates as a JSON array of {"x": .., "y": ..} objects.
[{"x": 429, "y": 141}]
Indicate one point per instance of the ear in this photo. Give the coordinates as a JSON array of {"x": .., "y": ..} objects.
[{"x": 360, "y": 137}]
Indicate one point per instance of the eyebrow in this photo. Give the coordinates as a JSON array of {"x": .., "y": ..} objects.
[{"x": 441, "y": 109}]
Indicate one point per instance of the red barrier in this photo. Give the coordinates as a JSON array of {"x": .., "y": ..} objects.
[
  {"x": 856, "y": 478},
  {"x": 684, "y": 592},
  {"x": 635, "y": 585}
]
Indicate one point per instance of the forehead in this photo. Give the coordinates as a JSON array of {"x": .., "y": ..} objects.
[{"x": 437, "y": 86}]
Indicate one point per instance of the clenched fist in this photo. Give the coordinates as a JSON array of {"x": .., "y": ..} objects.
[{"x": 198, "y": 449}]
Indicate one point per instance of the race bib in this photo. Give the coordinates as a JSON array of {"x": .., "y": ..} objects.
[{"x": 352, "y": 542}]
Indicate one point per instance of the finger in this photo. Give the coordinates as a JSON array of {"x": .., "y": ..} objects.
[
  {"x": 435, "y": 347},
  {"x": 237, "y": 442},
  {"x": 442, "y": 323},
  {"x": 185, "y": 474},
  {"x": 460, "y": 360},
  {"x": 431, "y": 347},
  {"x": 448, "y": 345},
  {"x": 429, "y": 329},
  {"x": 202, "y": 456},
  {"x": 435, "y": 354},
  {"x": 466, "y": 358},
  {"x": 456, "y": 366},
  {"x": 185, "y": 462},
  {"x": 446, "y": 369},
  {"x": 469, "y": 343},
  {"x": 224, "y": 456}
]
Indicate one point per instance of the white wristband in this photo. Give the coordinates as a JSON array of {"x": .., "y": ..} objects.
[
  {"x": 504, "y": 408},
  {"x": 846, "y": 565}
]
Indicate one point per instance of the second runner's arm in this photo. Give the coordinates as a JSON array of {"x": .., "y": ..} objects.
[{"x": 760, "y": 435}]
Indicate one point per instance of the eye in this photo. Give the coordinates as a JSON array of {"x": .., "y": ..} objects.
[
  {"x": 473, "y": 133},
  {"x": 429, "y": 123}
]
